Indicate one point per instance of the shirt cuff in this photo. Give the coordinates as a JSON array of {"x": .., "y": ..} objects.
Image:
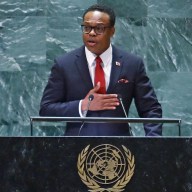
[{"x": 81, "y": 113}]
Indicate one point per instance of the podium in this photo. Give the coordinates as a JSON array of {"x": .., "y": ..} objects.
[
  {"x": 96, "y": 164},
  {"x": 81, "y": 164}
]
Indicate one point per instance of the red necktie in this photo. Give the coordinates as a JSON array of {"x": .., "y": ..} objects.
[{"x": 100, "y": 76}]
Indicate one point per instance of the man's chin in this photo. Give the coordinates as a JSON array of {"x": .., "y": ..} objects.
[{"x": 93, "y": 50}]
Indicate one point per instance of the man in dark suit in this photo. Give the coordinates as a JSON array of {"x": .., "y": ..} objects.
[{"x": 80, "y": 73}]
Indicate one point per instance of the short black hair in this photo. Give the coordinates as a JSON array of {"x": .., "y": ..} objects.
[{"x": 104, "y": 9}]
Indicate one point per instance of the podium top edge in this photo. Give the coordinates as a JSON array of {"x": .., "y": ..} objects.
[{"x": 105, "y": 119}]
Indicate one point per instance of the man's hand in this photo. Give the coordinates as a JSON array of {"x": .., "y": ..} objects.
[{"x": 100, "y": 101}]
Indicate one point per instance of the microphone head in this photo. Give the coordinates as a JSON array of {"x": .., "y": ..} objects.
[{"x": 91, "y": 97}]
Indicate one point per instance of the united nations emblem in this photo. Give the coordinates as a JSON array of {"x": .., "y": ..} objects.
[{"x": 105, "y": 168}]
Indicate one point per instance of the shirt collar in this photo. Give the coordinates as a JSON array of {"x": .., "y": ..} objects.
[{"x": 105, "y": 56}]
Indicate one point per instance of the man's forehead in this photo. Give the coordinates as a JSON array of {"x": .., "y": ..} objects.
[{"x": 96, "y": 17}]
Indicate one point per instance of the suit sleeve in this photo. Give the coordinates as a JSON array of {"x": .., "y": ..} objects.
[
  {"x": 54, "y": 101},
  {"x": 146, "y": 101}
]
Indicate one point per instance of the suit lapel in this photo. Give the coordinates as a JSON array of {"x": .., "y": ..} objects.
[
  {"x": 82, "y": 66},
  {"x": 116, "y": 68}
]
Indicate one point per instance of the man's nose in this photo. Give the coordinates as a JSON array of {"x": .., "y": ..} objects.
[{"x": 92, "y": 32}]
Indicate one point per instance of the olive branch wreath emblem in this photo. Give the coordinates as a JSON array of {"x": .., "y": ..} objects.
[{"x": 94, "y": 186}]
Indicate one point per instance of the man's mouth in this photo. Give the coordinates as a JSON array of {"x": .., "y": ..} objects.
[{"x": 91, "y": 43}]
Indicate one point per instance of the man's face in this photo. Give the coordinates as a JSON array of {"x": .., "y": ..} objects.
[{"x": 97, "y": 43}]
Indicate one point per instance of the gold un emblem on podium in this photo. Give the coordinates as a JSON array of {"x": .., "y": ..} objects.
[{"x": 105, "y": 168}]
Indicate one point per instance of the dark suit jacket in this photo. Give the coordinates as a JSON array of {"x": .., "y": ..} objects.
[{"x": 70, "y": 82}]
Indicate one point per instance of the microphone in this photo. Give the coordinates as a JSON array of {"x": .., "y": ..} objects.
[
  {"x": 91, "y": 97},
  {"x": 121, "y": 102}
]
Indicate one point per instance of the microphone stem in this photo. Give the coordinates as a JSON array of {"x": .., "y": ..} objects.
[
  {"x": 130, "y": 130},
  {"x": 85, "y": 114},
  {"x": 123, "y": 108}
]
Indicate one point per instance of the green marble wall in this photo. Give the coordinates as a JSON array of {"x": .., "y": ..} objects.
[{"x": 33, "y": 32}]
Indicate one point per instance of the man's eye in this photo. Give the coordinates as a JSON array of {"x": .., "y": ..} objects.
[
  {"x": 87, "y": 28},
  {"x": 99, "y": 27}
]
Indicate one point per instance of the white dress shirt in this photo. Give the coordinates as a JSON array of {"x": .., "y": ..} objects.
[{"x": 106, "y": 58}]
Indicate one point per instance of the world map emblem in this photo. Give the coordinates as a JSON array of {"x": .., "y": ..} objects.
[{"x": 105, "y": 167}]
